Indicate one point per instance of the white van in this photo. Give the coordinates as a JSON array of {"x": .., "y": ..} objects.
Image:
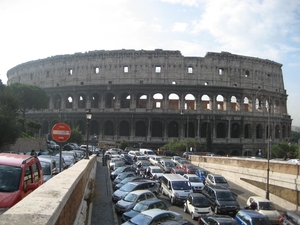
[
  {"x": 147, "y": 152},
  {"x": 176, "y": 187}
]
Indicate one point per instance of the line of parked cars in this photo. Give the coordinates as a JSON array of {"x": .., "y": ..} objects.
[{"x": 205, "y": 196}]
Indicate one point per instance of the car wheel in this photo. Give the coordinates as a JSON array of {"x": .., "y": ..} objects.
[
  {"x": 185, "y": 208},
  {"x": 193, "y": 216},
  {"x": 216, "y": 210},
  {"x": 172, "y": 201}
]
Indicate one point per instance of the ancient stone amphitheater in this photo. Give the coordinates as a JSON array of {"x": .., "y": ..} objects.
[{"x": 148, "y": 98}]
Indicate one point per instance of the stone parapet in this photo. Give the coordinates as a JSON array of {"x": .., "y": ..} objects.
[
  {"x": 64, "y": 199},
  {"x": 284, "y": 181}
]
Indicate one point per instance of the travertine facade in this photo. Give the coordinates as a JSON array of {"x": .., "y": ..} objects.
[{"x": 151, "y": 97}]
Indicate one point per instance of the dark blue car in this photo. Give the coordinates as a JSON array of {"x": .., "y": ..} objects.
[
  {"x": 127, "y": 159},
  {"x": 202, "y": 173},
  {"x": 251, "y": 217}
]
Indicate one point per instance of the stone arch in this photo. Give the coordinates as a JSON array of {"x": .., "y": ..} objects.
[
  {"x": 125, "y": 101},
  {"x": 247, "y": 131},
  {"x": 69, "y": 101},
  {"x": 259, "y": 131},
  {"x": 221, "y": 130},
  {"x": 203, "y": 129},
  {"x": 189, "y": 129},
  {"x": 174, "y": 101},
  {"x": 141, "y": 100},
  {"x": 173, "y": 129},
  {"x": 95, "y": 101},
  {"x": 283, "y": 131},
  {"x": 220, "y": 103},
  {"x": 158, "y": 101},
  {"x": 235, "y": 130},
  {"x": 277, "y": 131},
  {"x": 234, "y": 104},
  {"x": 57, "y": 101},
  {"x": 81, "y": 101},
  {"x": 94, "y": 127},
  {"x": 124, "y": 128},
  {"x": 140, "y": 129},
  {"x": 190, "y": 102},
  {"x": 109, "y": 128},
  {"x": 157, "y": 129},
  {"x": 110, "y": 100},
  {"x": 206, "y": 103},
  {"x": 247, "y": 102}
]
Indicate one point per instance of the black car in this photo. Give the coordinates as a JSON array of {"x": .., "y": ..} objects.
[
  {"x": 127, "y": 159},
  {"x": 119, "y": 170},
  {"x": 217, "y": 219},
  {"x": 126, "y": 180},
  {"x": 170, "y": 153},
  {"x": 222, "y": 200}
]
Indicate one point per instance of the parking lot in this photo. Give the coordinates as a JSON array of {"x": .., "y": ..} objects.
[{"x": 103, "y": 207}]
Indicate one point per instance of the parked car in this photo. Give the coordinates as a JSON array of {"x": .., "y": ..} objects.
[
  {"x": 128, "y": 179},
  {"x": 215, "y": 179},
  {"x": 68, "y": 158},
  {"x": 187, "y": 154},
  {"x": 135, "y": 185},
  {"x": 57, "y": 160},
  {"x": 197, "y": 205},
  {"x": 221, "y": 199},
  {"x": 251, "y": 217},
  {"x": 143, "y": 206},
  {"x": 167, "y": 165},
  {"x": 265, "y": 207},
  {"x": 290, "y": 218},
  {"x": 49, "y": 168},
  {"x": 175, "y": 159},
  {"x": 153, "y": 216},
  {"x": 137, "y": 155},
  {"x": 180, "y": 162},
  {"x": 202, "y": 174},
  {"x": 195, "y": 181},
  {"x": 189, "y": 168},
  {"x": 154, "y": 172},
  {"x": 127, "y": 159},
  {"x": 122, "y": 176},
  {"x": 169, "y": 153},
  {"x": 154, "y": 160},
  {"x": 111, "y": 154},
  {"x": 118, "y": 164},
  {"x": 16, "y": 173},
  {"x": 217, "y": 220},
  {"x": 119, "y": 170},
  {"x": 130, "y": 200},
  {"x": 52, "y": 145},
  {"x": 112, "y": 162},
  {"x": 177, "y": 171}
]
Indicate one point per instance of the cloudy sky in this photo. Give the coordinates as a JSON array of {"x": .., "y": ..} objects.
[{"x": 268, "y": 29}]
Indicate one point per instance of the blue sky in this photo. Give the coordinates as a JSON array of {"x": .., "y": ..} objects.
[{"x": 268, "y": 29}]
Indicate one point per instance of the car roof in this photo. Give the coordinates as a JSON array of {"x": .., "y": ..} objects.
[
  {"x": 259, "y": 199},
  {"x": 190, "y": 175},
  {"x": 14, "y": 159},
  {"x": 154, "y": 167},
  {"x": 252, "y": 213},
  {"x": 138, "y": 192},
  {"x": 194, "y": 195},
  {"x": 156, "y": 212},
  {"x": 150, "y": 201},
  {"x": 217, "y": 187},
  {"x": 221, "y": 218}
]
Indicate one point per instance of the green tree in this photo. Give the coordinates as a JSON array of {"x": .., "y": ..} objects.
[
  {"x": 31, "y": 97},
  {"x": 295, "y": 137},
  {"x": 9, "y": 106},
  {"x": 123, "y": 144},
  {"x": 284, "y": 150},
  {"x": 76, "y": 136},
  {"x": 208, "y": 143}
]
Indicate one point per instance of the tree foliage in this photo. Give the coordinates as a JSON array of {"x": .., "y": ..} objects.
[
  {"x": 284, "y": 150},
  {"x": 180, "y": 146},
  {"x": 31, "y": 97},
  {"x": 123, "y": 144},
  {"x": 76, "y": 136},
  {"x": 295, "y": 137},
  {"x": 9, "y": 106}
]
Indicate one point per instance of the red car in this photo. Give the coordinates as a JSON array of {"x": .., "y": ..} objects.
[{"x": 189, "y": 168}]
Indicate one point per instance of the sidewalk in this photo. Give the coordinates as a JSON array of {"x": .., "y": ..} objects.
[{"x": 102, "y": 209}]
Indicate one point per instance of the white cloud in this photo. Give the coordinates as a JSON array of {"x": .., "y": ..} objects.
[
  {"x": 184, "y": 2},
  {"x": 179, "y": 27}
]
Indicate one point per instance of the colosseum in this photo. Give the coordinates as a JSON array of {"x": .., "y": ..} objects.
[{"x": 148, "y": 98}]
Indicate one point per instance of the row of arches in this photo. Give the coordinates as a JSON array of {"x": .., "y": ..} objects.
[{"x": 190, "y": 101}]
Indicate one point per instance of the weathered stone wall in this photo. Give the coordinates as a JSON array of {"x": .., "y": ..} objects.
[{"x": 24, "y": 145}]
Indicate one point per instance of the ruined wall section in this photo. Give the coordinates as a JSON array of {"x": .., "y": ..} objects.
[{"x": 140, "y": 67}]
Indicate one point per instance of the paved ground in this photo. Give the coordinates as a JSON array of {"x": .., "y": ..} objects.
[{"x": 103, "y": 211}]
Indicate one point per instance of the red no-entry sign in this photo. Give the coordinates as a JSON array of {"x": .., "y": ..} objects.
[{"x": 61, "y": 132}]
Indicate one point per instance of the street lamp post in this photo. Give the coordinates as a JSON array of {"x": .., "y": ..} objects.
[{"x": 88, "y": 118}]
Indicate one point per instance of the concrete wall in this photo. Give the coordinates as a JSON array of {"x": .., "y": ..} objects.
[
  {"x": 26, "y": 145},
  {"x": 284, "y": 182},
  {"x": 65, "y": 199}
]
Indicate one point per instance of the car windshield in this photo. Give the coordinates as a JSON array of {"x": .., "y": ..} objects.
[
  {"x": 46, "y": 168},
  {"x": 181, "y": 172},
  {"x": 9, "y": 178},
  {"x": 121, "y": 176},
  {"x": 130, "y": 197},
  {"x": 119, "y": 169},
  {"x": 181, "y": 185},
  {"x": 195, "y": 179},
  {"x": 157, "y": 170},
  {"x": 220, "y": 180},
  {"x": 146, "y": 164},
  {"x": 201, "y": 202},
  {"x": 138, "y": 154},
  {"x": 141, "y": 219},
  {"x": 169, "y": 164},
  {"x": 266, "y": 206},
  {"x": 127, "y": 187},
  {"x": 140, "y": 207},
  {"x": 203, "y": 173},
  {"x": 225, "y": 196}
]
